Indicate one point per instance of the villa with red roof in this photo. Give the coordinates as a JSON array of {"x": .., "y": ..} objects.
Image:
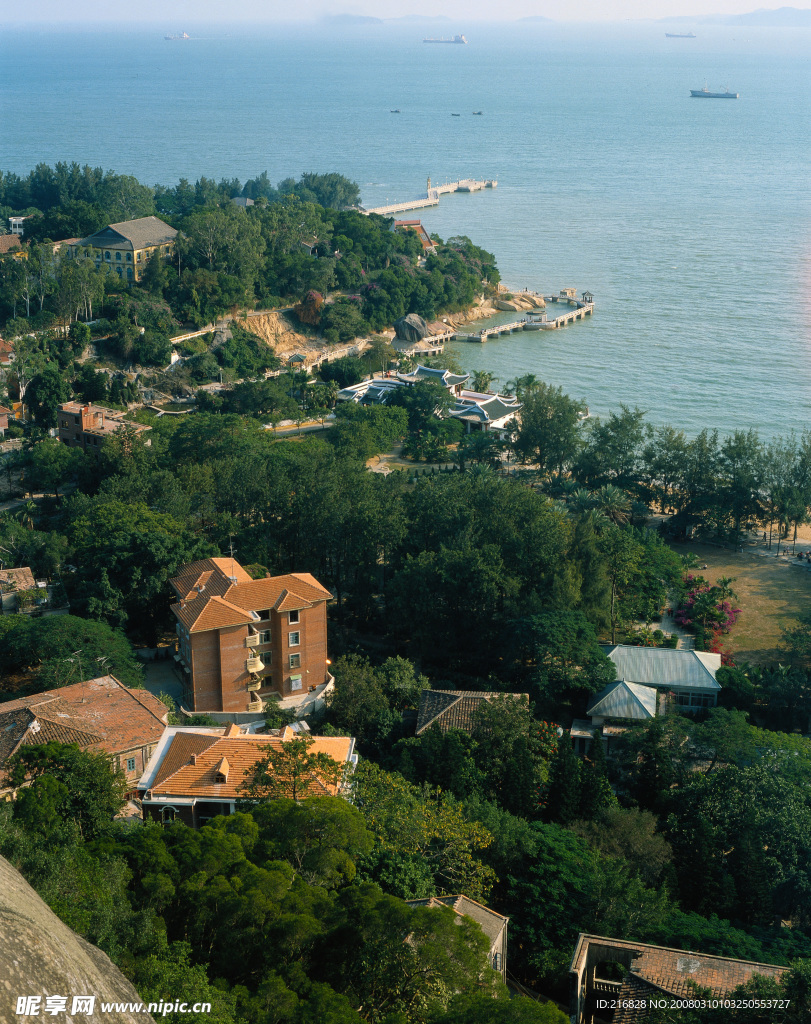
[
  {"x": 101, "y": 715},
  {"x": 197, "y": 773},
  {"x": 241, "y": 640}
]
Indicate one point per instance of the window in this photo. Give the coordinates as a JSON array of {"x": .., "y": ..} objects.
[
  {"x": 293, "y": 617},
  {"x": 130, "y": 764},
  {"x": 129, "y": 273},
  {"x": 129, "y": 257},
  {"x": 264, "y": 637},
  {"x": 107, "y": 254},
  {"x": 295, "y": 682},
  {"x": 295, "y": 661},
  {"x": 138, "y": 257},
  {"x": 118, "y": 255},
  {"x": 119, "y": 271},
  {"x": 167, "y": 815},
  {"x": 76, "y": 420},
  {"x": 293, "y": 639}
]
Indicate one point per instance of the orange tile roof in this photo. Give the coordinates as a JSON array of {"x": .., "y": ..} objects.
[
  {"x": 177, "y": 776},
  {"x": 99, "y": 714},
  {"x": 210, "y": 613},
  {"x": 210, "y": 599}
]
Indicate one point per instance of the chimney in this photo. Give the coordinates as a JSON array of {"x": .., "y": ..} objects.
[{"x": 193, "y": 759}]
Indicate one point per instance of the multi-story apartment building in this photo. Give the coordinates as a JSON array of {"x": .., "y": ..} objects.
[
  {"x": 86, "y": 426},
  {"x": 241, "y": 639},
  {"x": 128, "y": 246}
]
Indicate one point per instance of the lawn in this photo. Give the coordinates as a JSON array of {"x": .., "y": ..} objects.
[{"x": 772, "y": 593}]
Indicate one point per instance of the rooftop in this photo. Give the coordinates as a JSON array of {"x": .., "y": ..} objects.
[
  {"x": 99, "y": 714},
  {"x": 491, "y": 923},
  {"x": 217, "y": 592},
  {"x": 624, "y": 700},
  {"x": 453, "y": 709},
  {"x": 664, "y": 668},
  {"x": 132, "y": 234},
  {"x": 673, "y": 971},
  {"x": 190, "y": 762}
]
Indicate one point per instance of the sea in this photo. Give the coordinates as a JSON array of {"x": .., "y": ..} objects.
[{"x": 688, "y": 219}]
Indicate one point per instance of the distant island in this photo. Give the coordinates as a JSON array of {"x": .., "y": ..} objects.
[{"x": 781, "y": 17}]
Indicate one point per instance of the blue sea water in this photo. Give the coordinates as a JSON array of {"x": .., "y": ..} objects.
[{"x": 689, "y": 220}]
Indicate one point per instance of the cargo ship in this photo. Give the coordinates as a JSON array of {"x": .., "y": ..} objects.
[
  {"x": 707, "y": 95},
  {"x": 680, "y": 35},
  {"x": 454, "y": 39},
  {"x": 183, "y": 35}
]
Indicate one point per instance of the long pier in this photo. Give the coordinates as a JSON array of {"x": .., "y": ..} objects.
[
  {"x": 432, "y": 195},
  {"x": 533, "y": 323}
]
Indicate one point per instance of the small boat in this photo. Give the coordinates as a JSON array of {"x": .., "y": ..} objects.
[
  {"x": 394, "y": 111},
  {"x": 183, "y": 35},
  {"x": 456, "y": 115},
  {"x": 478, "y": 113}
]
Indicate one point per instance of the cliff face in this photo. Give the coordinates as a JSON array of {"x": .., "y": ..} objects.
[{"x": 41, "y": 956}]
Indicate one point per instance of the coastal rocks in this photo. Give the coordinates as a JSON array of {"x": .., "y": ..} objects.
[
  {"x": 520, "y": 302},
  {"x": 411, "y": 328}
]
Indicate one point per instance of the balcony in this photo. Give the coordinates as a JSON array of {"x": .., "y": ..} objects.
[
  {"x": 252, "y": 640},
  {"x": 254, "y": 664},
  {"x": 254, "y": 684}
]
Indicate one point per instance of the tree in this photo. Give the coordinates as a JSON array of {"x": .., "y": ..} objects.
[
  {"x": 321, "y": 838},
  {"x": 44, "y": 645},
  {"x": 50, "y": 464},
  {"x": 46, "y": 392},
  {"x": 482, "y": 379},
  {"x": 564, "y": 796},
  {"x": 613, "y": 449},
  {"x": 549, "y": 431},
  {"x": 155, "y": 277},
  {"x": 427, "y": 825},
  {"x": 567, "y": 654},
  {"x": 95, "y": 790},
  {"x": 291, "y": 769}
]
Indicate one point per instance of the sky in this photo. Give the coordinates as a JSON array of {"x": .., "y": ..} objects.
[{"x": 182, "y": 13}]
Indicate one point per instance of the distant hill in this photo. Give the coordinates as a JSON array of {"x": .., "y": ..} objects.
[
  {"x": 781, "y": 17},
  {"x": 351, "y": 19},
  {"x": 535, "y": 17}
]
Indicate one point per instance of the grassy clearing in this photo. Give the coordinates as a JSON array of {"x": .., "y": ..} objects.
[{"x": 772, "y": 593}]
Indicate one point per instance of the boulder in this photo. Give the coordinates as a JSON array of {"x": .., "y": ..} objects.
[
  {"x": 506, "y": 305},
  {"x": 40, "y": 956},
  {"x": 411, "y": 328}
]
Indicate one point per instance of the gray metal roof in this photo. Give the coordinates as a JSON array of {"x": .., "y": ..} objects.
[
  {"x": 666, "y": 669},
  {"x": 624, "y": 700}
]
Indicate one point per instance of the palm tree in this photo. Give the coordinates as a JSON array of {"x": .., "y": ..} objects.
[
  {"x": 482, "y": 379},
  {"x": 523, "y": 386},
  {"x": 580, "y": 500},
  {"x": 614, "y": 504}
]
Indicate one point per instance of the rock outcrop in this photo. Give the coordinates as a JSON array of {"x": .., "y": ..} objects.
[
  {"x": 410, "y": 328},
  {"x": 41, "y": 956}
]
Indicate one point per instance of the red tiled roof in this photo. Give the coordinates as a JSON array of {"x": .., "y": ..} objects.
[
  {"x": 17, "y": 579},
  {"x": 176, "y": 775},
  {"x": 8, "y": 243},
  {"x": 100, "y": 714},
  {"x": 217, "y": 592}
]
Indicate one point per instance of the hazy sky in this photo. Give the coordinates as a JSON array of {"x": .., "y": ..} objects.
[{"x": 180, "y": 13}]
